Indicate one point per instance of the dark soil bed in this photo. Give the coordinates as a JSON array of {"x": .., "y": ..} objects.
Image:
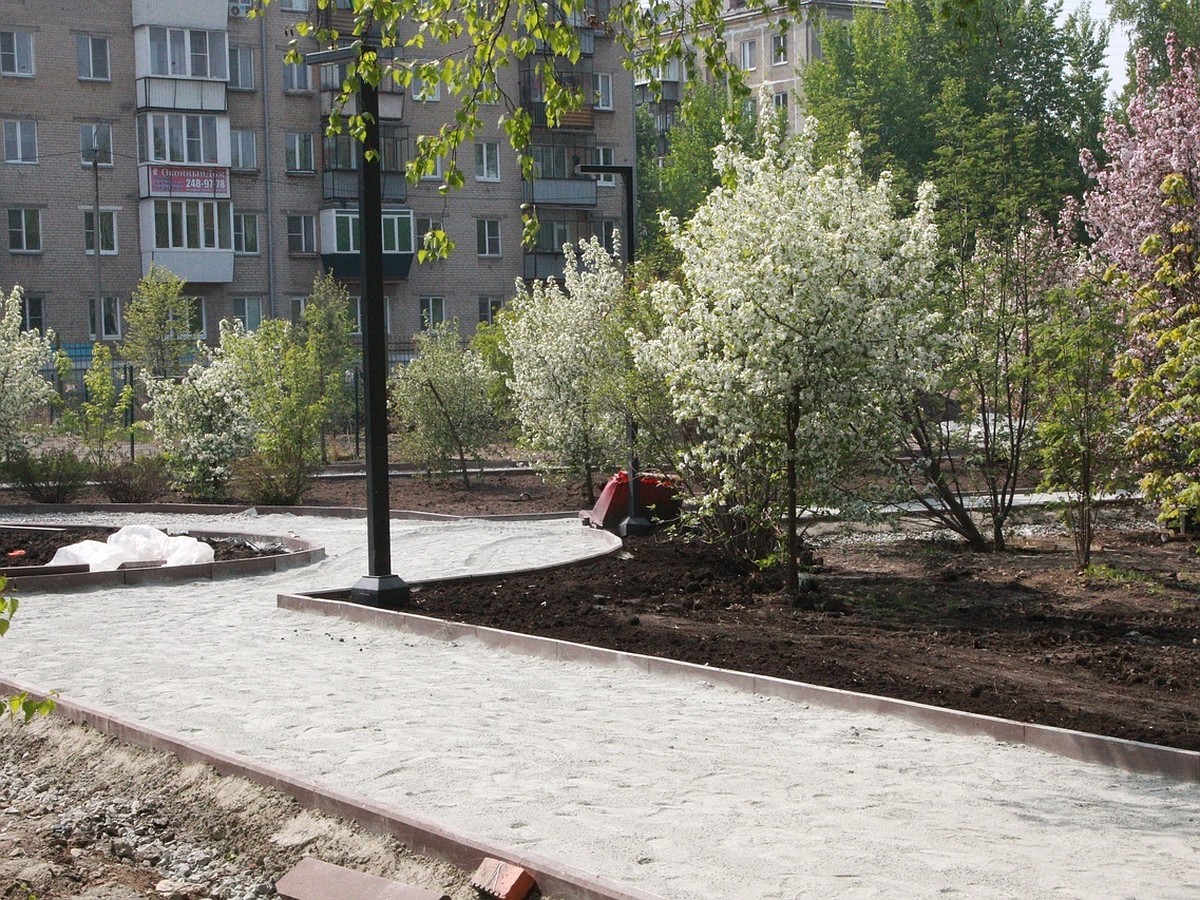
[{"x": 1018, "y": 634}]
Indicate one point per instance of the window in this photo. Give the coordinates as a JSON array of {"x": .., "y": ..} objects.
[
  {"x": 108, "y": 232},
  {"x": 433, "y": 312},
  {"x": 16, "y": 53},
  {"x": 301, "y": 234},
  {"x": 354, "y": 308},
  {"x": 488, "y": 307},
  {"x": 295, "y": 5},
  {"x": 245, "y": 232},
  {"x": 780, "y": 100},
  {"x": 295, "y": 77},
  {"x": 749, "y": 50},
  {"x": 91, "y": 55},
  {"x": 33, "y": 314},
  {"x": 487, "y": 237},
  {"x": 425, "y": 91},
  {"x": 112, "y": 318},
  {"x": 552, "y": 235},
  {"x": 330, "y": 76},
  {"x": 391, "y": 148},
  {"x": 248, "y": 311},
  {"x": 342, "y": 152},
  {"x": 95, "y": 139},
  {"x": 192, "y": 225},
  {"x": 346, "y": 235},
  {"x": 397, "y": 233},
  {"x": 423, "y": 227},
  {"x": 298, "y": 152},
  {"x": 608, "y": 235},
  {"x": 550, "y": 161},
  {"x": 602, "y": 90},
  {"x": 20, "y": 141},
  {"x": 433, "y": 169},
  {"x": 241, "y": 69},
  {"x": 175, "y": 137},
  {"x": 188, "y": 53},
  {"x": 779, "y": 53},
  {"x": 487, "y": 161},
  {"x": 196, "y": 325},
  {"x": 243, "y": 150},
  {"x": 296, "y": 309},
  {"x": 605, "y": 156},
  {"x": 25, "y": 230}
]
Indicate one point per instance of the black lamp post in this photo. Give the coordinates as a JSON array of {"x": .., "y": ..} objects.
[
  {"x": 633, "y": 524},
  {"x": 380, "y": 587}
]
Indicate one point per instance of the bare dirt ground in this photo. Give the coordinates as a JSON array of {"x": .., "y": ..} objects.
[{"x": 1020, "y": 634}]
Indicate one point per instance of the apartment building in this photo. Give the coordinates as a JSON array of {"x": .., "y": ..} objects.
[
  {"x": 171, "y": 132},
  {"x": 770, "y": 47}
]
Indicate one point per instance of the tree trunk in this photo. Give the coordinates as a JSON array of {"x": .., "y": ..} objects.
[{"x": 791, "y": 571}]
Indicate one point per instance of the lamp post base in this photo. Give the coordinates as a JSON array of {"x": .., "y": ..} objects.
[
  {"x": 380, "y": 591},
  {"x": 634, "y": 526}
]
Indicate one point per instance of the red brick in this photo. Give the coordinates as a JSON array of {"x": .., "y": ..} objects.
[{"x": 502, "y": 880}]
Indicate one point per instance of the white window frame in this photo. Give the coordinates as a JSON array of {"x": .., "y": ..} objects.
[
  {"x": 296, "y": 78},
  {"x": 347, "y": 236},
  {"x": 193, "y": 224},
  {"x": 16, "y": 54},
  {"x": 779, "y": 49},
  {"x": 185, "y": 138},
  {"x": 439, "y": 166},
  {"x": 420, "y": 91},
  {"x": 354, "y": 306},
  {"x": 432, "y": 311},
  {"x": 111, "y": 304},
  {"x": 24, "y": 215},
  {"x": 487, "y": 161},
  {"x": 608, "y": 229},
  {"x": 294, "y": 5},
  {"x": 245, "y": 225},
  {"x": 392, "y": 232},
  {"x": 487, "y": 238},
  {"x": 298, "y": 144},
  {"x": 243, "y": 67},
  {"x": 109, "y": 215},
  {"x": 602, "y": 94},
  {"x": 606, "y": 156},
  {"x": 179, "y": 51},
  {"x": 239, "y": 138},
  {"x": 89, "y": 137},
  {"x": 16, "y": 133},
  {"x": 85, "y": 53},
  {"x": 296, "y": 305},
  {"x": 197, "y": 304},
  {"x": 244, "y": 315},
  {"x": 307, "y": 234},
  {"x": 488, "y": 309},
  {"x": 748, "y": 55},
  {"x": 422, "y": 225}
]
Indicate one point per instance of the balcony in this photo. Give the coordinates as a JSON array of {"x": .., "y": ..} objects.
[
  {"x": 348, "y": 266},
  {"x": 579, "y": 192},
  {"x": 538, "y": 265},
  {"x": 197, "y": 266},
  {"x": 183, "y": 181},
  {"x": 181, "y": 93},
  {"x": 342, "y": 184}
]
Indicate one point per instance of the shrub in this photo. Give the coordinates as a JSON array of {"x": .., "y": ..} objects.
[
  {"x": 58, "y": 476},
  {"x": 280, "y": 479},
  {"x": 142, "y": 480}
]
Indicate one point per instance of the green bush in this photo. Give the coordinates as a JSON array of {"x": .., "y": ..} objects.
[
  {"x": 274, "y": 480},
  {"x": 58, "y": 476}
]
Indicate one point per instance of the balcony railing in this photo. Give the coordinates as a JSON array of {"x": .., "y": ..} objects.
[
  {"x": 539, "y": 265},
  {"x": 181, "y": 93},
  {"x": 342, "y": 184},
  {"x": 561, "y": 191}
]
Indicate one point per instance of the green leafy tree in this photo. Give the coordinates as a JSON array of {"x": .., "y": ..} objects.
[
  {"x": 160, "y": 336},
  {"x": 1151, "y": 22},
  {"x": 439, "y": 402},
  {"x": 327, "y": 329},
  {"x": 1080, "y": 425},
  {"x": 280, "y": 375},
  {"x": 99, "y": 422}
]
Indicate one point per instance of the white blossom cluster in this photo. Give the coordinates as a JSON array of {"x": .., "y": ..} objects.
[
  {"x": 563, "y": 360},
  {"x": 803, "y": 308},
  {"x": 23, "y": 357}
]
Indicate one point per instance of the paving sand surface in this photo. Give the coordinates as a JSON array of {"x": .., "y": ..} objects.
[{"x": 682, "y": 789}]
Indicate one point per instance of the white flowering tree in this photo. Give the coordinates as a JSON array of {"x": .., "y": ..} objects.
[
  {"x": 564, "y": 357},
  {"x": 202, "y": 424},
  {"x": 23, "y": 357},
  {"x": 799, "y": 326}
]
